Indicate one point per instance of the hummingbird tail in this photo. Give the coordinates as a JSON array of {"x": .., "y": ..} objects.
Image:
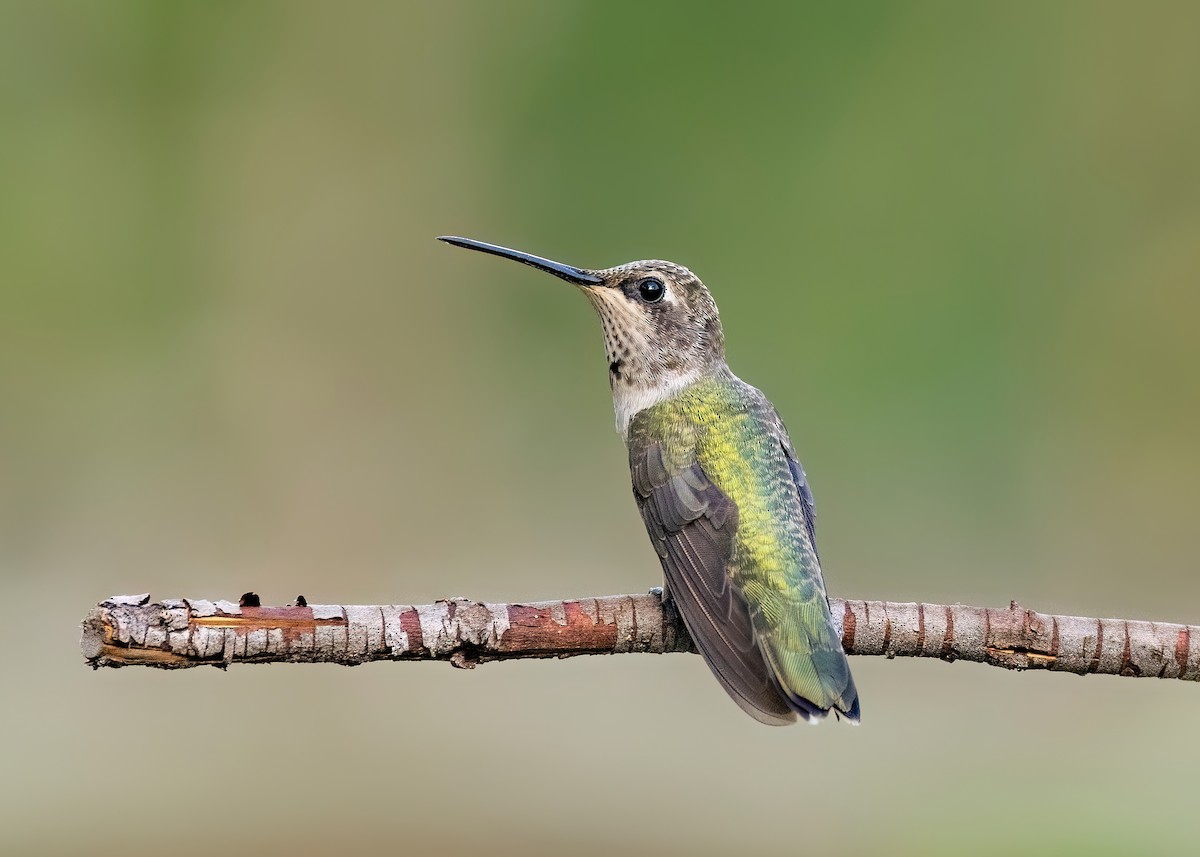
[
  {"x": 813, "y": 679},
  {"x": 813, "y": 713}
]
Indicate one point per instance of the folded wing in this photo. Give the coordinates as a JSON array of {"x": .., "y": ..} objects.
[{"x": 692, "y": 525}]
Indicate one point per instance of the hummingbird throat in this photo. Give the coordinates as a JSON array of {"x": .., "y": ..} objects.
[{"x": 644, "y": 367}]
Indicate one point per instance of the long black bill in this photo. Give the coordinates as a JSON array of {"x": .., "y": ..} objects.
[{"x": 571, "y": 274}]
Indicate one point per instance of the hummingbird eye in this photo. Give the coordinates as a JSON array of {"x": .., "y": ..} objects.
[{"x": 651, "y": 290}]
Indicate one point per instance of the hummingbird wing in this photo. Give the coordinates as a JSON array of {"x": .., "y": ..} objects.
[{"x": 692, "y": 525}]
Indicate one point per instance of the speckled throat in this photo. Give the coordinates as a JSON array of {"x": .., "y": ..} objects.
[{"x": 647, "y": 362}]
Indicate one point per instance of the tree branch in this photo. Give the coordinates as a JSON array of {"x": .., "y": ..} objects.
[{"x": 128, "y": 631}]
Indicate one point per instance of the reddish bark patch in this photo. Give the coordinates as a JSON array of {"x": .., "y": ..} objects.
[
  {"x": 256, "y": 618},
  {"x": 531, "y": 628},
  {"x": 1182, "y": 644},
  {"x": 410, "y": 623},
  {"x": 849, "y": 627},
  {"x": 294, "y": 622}
]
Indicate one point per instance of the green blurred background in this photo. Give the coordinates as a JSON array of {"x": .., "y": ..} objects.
[{"x": 957, "y": 244}]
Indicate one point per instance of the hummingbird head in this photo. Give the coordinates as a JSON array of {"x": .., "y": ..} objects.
[{"x": 661, "y": 327}]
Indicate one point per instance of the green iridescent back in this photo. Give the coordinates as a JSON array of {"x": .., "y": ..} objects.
[{"x": 717, "y": 453}]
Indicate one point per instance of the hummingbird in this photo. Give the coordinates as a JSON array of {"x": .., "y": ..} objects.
[{"x": 720, "y": 490}]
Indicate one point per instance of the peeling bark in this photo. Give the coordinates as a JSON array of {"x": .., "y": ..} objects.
[{"x": 172, "y": 634}]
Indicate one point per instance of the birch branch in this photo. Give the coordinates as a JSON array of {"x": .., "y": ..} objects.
[{"x": 172, "y": 634}]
